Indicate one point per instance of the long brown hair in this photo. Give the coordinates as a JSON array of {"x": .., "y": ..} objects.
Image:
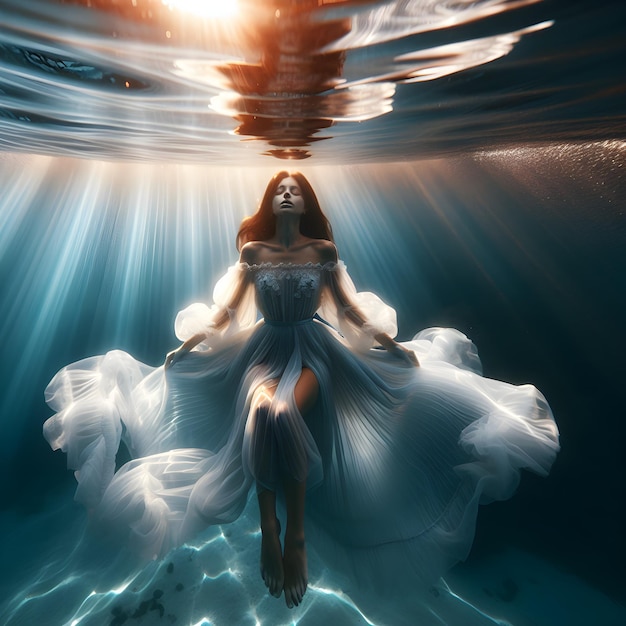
[{"x": 262, "y": 225}]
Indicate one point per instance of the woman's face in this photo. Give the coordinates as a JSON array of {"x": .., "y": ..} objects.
[{"x": 288, "y": 197}]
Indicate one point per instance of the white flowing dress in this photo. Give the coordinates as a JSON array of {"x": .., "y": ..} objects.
[{"x": 396, "y": 458}]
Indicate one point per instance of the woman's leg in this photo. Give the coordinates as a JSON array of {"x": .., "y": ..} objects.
[
  {"x": 294, "y": 560},
  {"x": 272, "y": 570},
  {"x": 289, "y": 572}
]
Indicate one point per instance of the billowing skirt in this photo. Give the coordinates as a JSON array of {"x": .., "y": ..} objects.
[{"x": 396, "y": 458}]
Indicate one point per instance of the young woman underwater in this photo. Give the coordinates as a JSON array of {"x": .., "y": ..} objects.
[{"x": 384, "y": 454}]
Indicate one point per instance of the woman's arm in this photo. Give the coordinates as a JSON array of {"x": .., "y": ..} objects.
[
  {"x": 356, "y": 317},
  {"x": 397, "y": 349},
  {"x": 221, "y": 319},
  {"x": 185, "y": 348}
]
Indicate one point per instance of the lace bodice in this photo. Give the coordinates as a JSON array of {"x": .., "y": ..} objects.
[{"x": 287, "y": 292}]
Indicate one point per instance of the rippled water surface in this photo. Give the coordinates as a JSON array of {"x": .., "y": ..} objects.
[{"x": 348, "y": 80}]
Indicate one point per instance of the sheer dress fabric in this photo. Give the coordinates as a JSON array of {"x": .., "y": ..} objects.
[{"x": 396, "y": 458}]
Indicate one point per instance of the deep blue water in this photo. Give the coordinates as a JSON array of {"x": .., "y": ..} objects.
[{"x": 491, "y": 200}]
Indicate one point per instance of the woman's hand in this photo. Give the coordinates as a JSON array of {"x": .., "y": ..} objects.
[
  {"x": 176, "y": 355},
  {"x": 173, "y": 357},
  {"x": 405, "y": 354},
  {"x": 398, "y": 350}
]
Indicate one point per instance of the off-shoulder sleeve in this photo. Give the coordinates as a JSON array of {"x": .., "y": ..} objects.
[
  {"x": 340, "y": 295},
  {"x": 233, "y": 293}
]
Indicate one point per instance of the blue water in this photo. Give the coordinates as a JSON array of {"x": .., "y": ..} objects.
[{"x": 490, "y": 199}]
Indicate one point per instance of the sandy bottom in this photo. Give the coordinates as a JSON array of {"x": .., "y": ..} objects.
[{"x": 54, "y": 573}]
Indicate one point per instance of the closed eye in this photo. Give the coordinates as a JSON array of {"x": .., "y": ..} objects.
[{"x": 294, "y": 191}]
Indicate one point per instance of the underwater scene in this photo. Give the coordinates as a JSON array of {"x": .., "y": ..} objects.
[{"x": 184, "y": 394}]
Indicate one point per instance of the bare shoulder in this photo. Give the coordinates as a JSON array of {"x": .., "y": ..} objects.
[
  {"x": 252, "y": 252},
  {"x": 326, "y": 250}
]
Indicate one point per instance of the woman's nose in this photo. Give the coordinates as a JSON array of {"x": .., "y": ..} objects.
[{"x": 287, "y": 195}]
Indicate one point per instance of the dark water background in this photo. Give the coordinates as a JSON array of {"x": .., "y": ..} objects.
[{"x": 502, "y": 216}]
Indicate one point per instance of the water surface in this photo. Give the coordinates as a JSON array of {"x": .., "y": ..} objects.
[{"x": 395, "y": 80}]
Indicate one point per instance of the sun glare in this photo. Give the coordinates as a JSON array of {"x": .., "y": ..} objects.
[{"x": 205, "y": 8}]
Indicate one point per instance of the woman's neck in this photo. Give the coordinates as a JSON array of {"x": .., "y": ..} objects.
[{"x": 287, "y": 230}]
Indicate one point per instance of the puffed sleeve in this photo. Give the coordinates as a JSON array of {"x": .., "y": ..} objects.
[
  {"x": 368, "y": 317},
  {"x": 234, "y": 294}
]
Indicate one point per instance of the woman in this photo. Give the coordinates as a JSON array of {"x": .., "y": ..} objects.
[{"x": 391, "y": 454}]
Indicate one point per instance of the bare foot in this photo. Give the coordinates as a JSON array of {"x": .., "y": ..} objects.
[
  {"x": 296, "y": 576},
  {"x": 272, "y": 559}
]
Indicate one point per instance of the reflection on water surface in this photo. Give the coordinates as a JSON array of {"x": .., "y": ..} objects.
[{"x": 155, "y": 80}]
